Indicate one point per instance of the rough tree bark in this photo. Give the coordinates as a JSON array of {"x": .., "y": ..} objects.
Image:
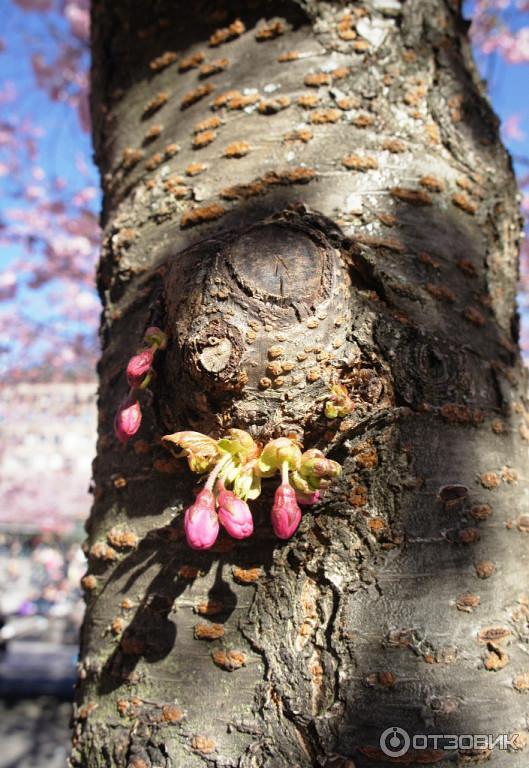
[{"x": 320, "y": 186}]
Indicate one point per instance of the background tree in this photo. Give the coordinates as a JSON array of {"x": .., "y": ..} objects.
[
  {"x": 49, "y": 197},
  {"x": 328, "y": 180}
]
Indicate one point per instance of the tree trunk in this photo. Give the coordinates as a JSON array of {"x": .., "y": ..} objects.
[{"x": 321, "y": 186}]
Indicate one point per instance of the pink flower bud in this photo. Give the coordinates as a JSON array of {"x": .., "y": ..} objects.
[
  {"x": 156, "y": 336},
  {"x": 139, "y": 366},
  {"x": 286, "y": 514},
  {"x": 128, "y": 419},
  {"x": 201, "y": 523},
  {"x": 234, "y": 514},
  {"x": 307, "y": 499}
]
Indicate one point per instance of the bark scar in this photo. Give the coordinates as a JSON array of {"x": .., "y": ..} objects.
[{"x": 256, "y": 312}]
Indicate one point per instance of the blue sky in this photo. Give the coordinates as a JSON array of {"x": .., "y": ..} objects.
[{"x": 508, "y": 89}]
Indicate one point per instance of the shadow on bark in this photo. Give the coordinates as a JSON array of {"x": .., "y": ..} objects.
[
  {"x": 408, "y": 635},
  {"x": 152, "y": 627},
  {"x": 387, "y": 661}
]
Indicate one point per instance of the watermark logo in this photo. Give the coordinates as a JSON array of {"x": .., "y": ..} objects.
[{"x": 396, "y": 742}]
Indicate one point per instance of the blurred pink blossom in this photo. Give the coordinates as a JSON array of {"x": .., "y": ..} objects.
[
  {"x": 8, "y": 285},
  {"x": 8, "y": 92},
  {"x": 78, "y": 14},
  {"x": 491, "y": 32},
  {"x": 34, "y": 5},
  {"x": 515, "y": 48}
]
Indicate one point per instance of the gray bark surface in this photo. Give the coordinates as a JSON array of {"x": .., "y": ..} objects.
[{"x": 356, "y": 209}]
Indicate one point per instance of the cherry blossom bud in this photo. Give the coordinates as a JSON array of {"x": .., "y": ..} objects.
[
  {"x": 201, "y": 450},
  {"x": 246, "y": 484},
  {"x": 201, "y": 523},
  {"x": 139, "y": 367},
  {"x": 307, "y": 499},
  {"x": 286, "y": 514},
  {"x": 239, "y": 443},
  {"x": 317, "y": 469},
  {"x": 339, "y": 404},
  {"x": 275, "y": 453},
  {"x": 128, "y": 419},
  {"x": 301, "y": 484},
  {"x": 154, "y": 336},
  {"x": 234, "y": 514}
]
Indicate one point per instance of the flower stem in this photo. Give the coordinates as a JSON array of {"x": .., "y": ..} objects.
[
  {"x": 284, "y": 473},
  {"x": 216, "y": 471}
]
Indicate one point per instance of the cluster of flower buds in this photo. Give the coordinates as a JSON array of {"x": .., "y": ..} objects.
[
  {"x": 236, "y": 465},
  {"x": 339, "y": 404},
  {"x": 139, "y": 376}
]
